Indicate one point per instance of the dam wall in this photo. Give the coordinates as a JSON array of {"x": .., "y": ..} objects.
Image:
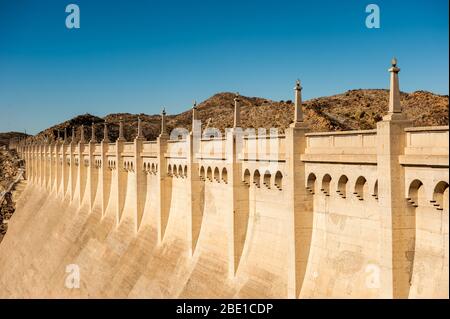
[{"x": 355, "y": 214}]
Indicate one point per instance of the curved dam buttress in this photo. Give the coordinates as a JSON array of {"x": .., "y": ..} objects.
[{"x": 294, "y": 215}]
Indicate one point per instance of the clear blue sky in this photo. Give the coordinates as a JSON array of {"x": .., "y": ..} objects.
[{"x": 137, "y": 57}]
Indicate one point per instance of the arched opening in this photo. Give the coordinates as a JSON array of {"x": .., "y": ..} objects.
[
  {"x": 247, "y": 177},
  {"x": 326, "y": 180},
  {"x": 224, "y": 175},
  {"x": 311, "y": 183},
  {"x": 202, "y": 173},
  {"x": 414, "y": 193},
  {"x": 279, "y": 180},
  {"x": 359, "y": 187},
  {"x": 257, "y": 178},
  {"x": 440, "y": 195},
  {"x": 266, "y": 179},
  {"x": 342, "y": 186},
  {"x": 217, "y": 175},
  {"x": 209, "y": 174},
  {"x": 375, "y": 190},
  {"x": 211, "y": 133},
  {"x": 169, "y": 170},
  {"x": 185, "y": 171},
  {"x": 180, "y": 171}
]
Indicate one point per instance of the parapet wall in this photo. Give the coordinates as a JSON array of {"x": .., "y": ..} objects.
[{"x": 312, "y": 215}]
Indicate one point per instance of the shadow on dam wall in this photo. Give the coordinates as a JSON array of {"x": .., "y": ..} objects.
[{"x": 47, "y": 234}]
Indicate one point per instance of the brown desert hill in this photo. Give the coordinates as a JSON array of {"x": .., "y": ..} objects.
[
  {"x": 352, "y": 110},
  {"x": 5, "y": 138}
]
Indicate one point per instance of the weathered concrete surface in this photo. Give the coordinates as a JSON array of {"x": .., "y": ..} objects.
[{"x": 47, "y": 234}]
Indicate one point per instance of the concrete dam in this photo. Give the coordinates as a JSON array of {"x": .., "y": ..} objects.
[{"x": 354, "y": 214}]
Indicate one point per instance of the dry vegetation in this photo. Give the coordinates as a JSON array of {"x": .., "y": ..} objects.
[{"x": 354, "y": 109}]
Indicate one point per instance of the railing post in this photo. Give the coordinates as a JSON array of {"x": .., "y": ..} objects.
[
  {"x": 162, "y": 210},
  {"x": 140, "y": 176},
  {"x": 301, "y": 216},
  {"x": 395, "y": 268}
]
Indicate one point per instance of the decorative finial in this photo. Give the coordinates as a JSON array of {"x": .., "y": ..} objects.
[
  {"x": 65, "y": 134},
  {"x": 105, "y": 132},
  {"x": 194, "y": 105},
  {"x": 237, "y": 111},
  {"x": 298, "y": 112},
  {"x": 394, "y": 62},
  {"x": 82, "y": 133},
  {"x": 394, "y": 92},
  {"x": 93, "y": 139},
  {"x": 163, "y": 122},
  {"x": 139, "y": 129},
  {"x": 121, "y": 137}
]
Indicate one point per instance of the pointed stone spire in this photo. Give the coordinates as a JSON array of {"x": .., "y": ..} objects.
[
  {"x": 58, "y": 137},
  {"x": 298, "y": 116},
  {"x": 93, "y": 138},
  {"x": 73, "y": 135},
  {"x": 194, "y": 111},
  {"x": 81, "y": 134},
  {"x": 140, "y": 135},
  {"x": 163, "y": 122},
  {"x": 394, "y": 93},
  {"x": 65, "y": 135},
  {"x": 121, "y": 137},
  {"x": 194, "y": 115},
  {"x": 105, "y": 133},
  {"x": 237, "y": 111}
]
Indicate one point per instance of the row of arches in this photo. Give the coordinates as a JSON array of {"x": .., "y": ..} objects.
[
  {"x": 98, "y": 163},
  {"x": 150, "y": 168},
  {"x": 268, "y": 180},
  {"x": 360, "y": 188},
  {"x": 177, "y": 170},
  {"x": 216, "y": 175},
  {"x": 111, "y": 164},
  {"x": 417, "y": 195},
  {"x": 128, "y": 166}
]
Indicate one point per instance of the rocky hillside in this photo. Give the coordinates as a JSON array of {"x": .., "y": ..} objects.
[
  {"x": 8, "y": 136},
  {"x": 354, "y": 109},
  {"x": 9, "y": 170}
]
